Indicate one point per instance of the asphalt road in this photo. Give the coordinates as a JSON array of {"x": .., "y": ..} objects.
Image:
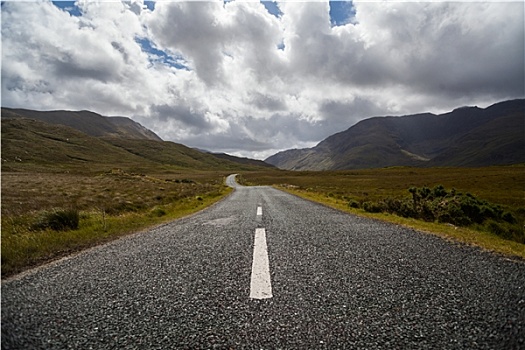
[{"x": 337, "y": 282}]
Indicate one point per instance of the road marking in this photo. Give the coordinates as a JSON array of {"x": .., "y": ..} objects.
[
  {"x": 259, "y": 211},
  {"x": 260, "y": 285}
]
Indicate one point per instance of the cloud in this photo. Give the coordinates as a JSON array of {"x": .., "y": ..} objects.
[
  {"x": 186, "y": 116},
  {"x": 240, "y": 78}
]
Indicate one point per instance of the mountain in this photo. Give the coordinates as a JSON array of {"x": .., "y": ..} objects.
[
  {"x": 29, "y": 144},
  {"x": 467, "y": 136},
  {"x": 90, "y": 123},
  {"x": 243, "y": 160}
]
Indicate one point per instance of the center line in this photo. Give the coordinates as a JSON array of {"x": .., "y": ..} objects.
[
  {"x": 260, "y": 285},
  {"x": 259, "y": 211}
]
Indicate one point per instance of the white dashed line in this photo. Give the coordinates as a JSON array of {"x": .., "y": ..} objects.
[
  {"x": 260, "y": 285},
  {"x": 259, "y": 211}
]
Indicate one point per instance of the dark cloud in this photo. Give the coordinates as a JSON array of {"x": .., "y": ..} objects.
[
  {"x": 268, "y": 103},
  {"x": 186, "y": 116},
  {"x": 340, "y": 115}
]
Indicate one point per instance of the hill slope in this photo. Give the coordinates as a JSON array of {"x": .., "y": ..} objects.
[
  {"x": 29, "y": 144},
  {"x": 90, "y": 123},
  {"x": 242, "y": 160},
  {"x": 467, "y": 136}
]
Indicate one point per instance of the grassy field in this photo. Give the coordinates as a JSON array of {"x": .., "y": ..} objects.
[
  {"x": 503, "y": 186},
  {"x": 114, "y": 202},
  {"x": 109, "y": 204}
]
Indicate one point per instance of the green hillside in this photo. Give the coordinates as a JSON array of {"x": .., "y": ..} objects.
[
  {"x": 35, "y": 145},
  {"x": 90, "y": 123}
]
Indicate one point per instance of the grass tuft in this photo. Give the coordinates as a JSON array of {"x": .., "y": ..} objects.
[{"x": 57, "y": 220}]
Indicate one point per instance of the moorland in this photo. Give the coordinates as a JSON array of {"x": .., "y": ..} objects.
[
  {"x": 69, "y": 187},
  {"x": 64, "y": 190}
]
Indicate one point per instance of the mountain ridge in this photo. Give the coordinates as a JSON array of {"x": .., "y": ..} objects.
[
  {"x": 28, "y": 143},
  {"x": 456, "y": 138},
  {"x": 90, "y": 123},
  {"x": 121, "y": 132}
]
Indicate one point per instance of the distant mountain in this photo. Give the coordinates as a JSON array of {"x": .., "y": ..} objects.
[
  {"x": 37, "y": 145},
  {"x": 242, "y": 160},
  {"x": 467, "y": 136},
  {"x": 90, "y": 123}
]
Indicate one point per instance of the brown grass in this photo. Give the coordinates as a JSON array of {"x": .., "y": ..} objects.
[{"x": 111, "y": 204}]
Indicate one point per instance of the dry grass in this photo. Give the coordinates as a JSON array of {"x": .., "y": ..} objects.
[
  {"x": 111, "y": 204},
  {"x": 114, "y": 191}
]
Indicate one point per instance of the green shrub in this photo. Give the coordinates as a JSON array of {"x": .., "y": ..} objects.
[
  {"x": 439, "y": 192},
  {"x": 508, "y": 217},
  {"x": 372, "y": 207},
  {"x": 353, "y": 204},
  {"x": 57, "y": 220},
  {"x": 450, "y": 207}
]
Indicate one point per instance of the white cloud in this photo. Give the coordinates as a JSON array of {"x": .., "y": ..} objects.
[{"x": 233, "y": 77}]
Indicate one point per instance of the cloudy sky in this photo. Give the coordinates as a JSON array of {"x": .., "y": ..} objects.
[{"x": 252, "y": 78}]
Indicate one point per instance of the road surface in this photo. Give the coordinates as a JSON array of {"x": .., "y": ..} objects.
[{"x": 263, "y": 269}]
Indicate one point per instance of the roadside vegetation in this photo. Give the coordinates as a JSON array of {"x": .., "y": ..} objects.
[
  {"x": 481, "y": 206},
  {"x": 49, "y": 215}
]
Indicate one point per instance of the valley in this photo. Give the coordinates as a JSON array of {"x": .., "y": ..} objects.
[{"x": 115, "y": 178}]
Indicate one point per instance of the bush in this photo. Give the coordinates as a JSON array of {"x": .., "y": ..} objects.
[
  {"x": 353, "y": 204},
  {"x": 58, "y": 220},
  {"x": 372, "y": 207},
  {"x": 450, "y": 207},
  {"x": 439, "y": 192}
]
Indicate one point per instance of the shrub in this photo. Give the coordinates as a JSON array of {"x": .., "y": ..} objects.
[
  {"x": 57, "y": 220},
  {"x": 353, "y": 204},
  {"x": 425, "y": 211},
  {"x": 372, "y": 207},
  {"x": 508, "y": 217},
  {"x": 439, "y": 192},
  {"x": 424, "y": 192},
  {"x": 450, "y": 207}
]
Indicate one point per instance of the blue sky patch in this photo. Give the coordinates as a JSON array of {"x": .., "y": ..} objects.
[
  {"x": 341, "y": 13},
  {"x": 150, "y": 5},
  {"x": 68, "y": 6},
  {"x": 272, "y": 8},
  {"x": 162, "y": 56}
]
